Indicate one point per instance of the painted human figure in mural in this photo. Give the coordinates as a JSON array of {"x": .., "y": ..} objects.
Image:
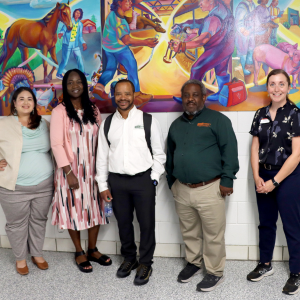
[
  {"x": 263, "y": 24},
  {"x": 274, "y": 12},
  {"x": 116, "y": 42},
  {"x": 72, "y": 39},
  {"x": 244, "y": 36},
  {"x": 216, "y": 35}
]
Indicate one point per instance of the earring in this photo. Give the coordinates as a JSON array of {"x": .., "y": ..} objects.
[
  {"x": 15, "y": 112},
  {"x": 32, "y": 112},
  {"x": 268, "y": 95}
]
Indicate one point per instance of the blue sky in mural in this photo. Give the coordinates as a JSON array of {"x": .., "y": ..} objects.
[{"x": 26, "y": 11}]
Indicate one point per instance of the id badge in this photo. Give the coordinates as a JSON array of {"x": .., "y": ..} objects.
[{"x": 264, "y": 121}]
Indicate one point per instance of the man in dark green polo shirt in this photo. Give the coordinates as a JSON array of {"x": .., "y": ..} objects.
[{"x": 202, "y": 161}]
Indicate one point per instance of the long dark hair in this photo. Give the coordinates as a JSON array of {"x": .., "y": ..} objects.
[
  {"x": 89, "y": 109},
  {"x": 35, "y": 119},
  {"x": 280, "y": 71}
]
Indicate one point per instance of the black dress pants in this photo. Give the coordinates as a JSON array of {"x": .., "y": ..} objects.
[
  {"x": 284, "y": 199},
  {"x": 129, "y": 193}
]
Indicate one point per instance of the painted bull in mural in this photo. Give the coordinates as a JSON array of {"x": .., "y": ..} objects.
[{"x": 264, "y": 54}]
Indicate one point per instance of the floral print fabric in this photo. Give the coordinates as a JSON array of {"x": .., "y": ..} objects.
[{"x": 275, "y": 137}]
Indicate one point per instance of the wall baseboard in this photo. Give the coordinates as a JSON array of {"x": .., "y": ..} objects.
[{"x": 233, "y": 252}]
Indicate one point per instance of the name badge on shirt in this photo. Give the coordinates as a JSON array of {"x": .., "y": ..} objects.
[
  {"x": 203, "y": 124},
  {"x": 139, "y": 127},
  {"x": 264, "y": 121}
]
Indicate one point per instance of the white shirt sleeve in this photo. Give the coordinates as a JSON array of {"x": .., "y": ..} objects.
[
  {"x": 158, "y": 146},
  {"x": 102, "y": 160}
]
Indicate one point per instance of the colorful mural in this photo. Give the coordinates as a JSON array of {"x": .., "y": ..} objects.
[
  {"x": 158, "y": 44},
  {"x": 40, "y": 40},
  {"x": 229, "y": 45}
]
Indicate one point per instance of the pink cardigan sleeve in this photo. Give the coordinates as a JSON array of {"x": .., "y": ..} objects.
[{"x": 57, "y": 138}]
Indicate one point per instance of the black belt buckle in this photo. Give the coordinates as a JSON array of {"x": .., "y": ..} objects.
[{"x": 266, "y": 167}]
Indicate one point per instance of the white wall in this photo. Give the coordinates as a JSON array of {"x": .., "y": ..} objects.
[{"x": 241, "y": 210}]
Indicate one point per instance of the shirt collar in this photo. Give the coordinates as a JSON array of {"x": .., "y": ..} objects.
[
  {"x": 131, "y": 113},
  {"x": 287, "y": 104},
  {"x": 185, "y": 115},
  {"x": 215, "y": 8}
]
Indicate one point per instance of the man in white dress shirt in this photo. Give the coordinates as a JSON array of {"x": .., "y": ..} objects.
[{"x": 126, "y": 165}]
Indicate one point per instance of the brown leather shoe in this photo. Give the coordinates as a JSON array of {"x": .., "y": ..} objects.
[
  {"x": 22, "y": 271},
  {"x": 43, "y": 266},
  {"x": 141, "y": 98},
  {"x": 99, "y": 90}
]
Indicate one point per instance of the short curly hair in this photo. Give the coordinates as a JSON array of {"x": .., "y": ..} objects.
[
  {"x": 81, "y": 13},
  {"x": 115, "y": 4}
]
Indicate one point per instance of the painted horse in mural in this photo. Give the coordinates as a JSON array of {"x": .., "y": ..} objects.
[{"x": 38, "y": 34}]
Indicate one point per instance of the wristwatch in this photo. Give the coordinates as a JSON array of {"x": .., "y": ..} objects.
[
  {"x": 276, "y": 184},
  {"x": 155, "y": 183}
]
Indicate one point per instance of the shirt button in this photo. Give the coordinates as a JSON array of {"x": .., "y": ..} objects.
[{"x": 181, "y": 154}]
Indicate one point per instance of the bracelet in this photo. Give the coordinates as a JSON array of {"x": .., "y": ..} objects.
[{"x": 69, "y": 172}]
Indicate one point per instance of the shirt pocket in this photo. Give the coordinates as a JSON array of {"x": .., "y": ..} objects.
[
  {"x": 139, "y": 138},
  {"x": 203, "y": 136}
]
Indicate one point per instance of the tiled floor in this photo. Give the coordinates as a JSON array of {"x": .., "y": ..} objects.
[{"x": 64, "y": 281}]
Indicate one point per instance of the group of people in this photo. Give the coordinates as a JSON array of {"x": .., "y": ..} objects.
[{"x": 121, "y": 160}]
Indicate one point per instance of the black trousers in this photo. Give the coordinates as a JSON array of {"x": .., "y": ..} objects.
[
  {"x": 284, "y": 199},
  {"x": 129, "y": 193}
]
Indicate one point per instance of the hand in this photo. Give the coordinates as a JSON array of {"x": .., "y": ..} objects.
[
  {"x": 84, "y": 47},
  {"x": 106, "y": 196},
  {"x": 259, "y": 183},
  {"x": 72, "y": 181},
  {"x": 244, "y": 31},
  {"x": 3, "y": 164},
  {"x": 151, "y": 42},
  {"x": 175, "y": 45},
  {"x": 225, "y": 191},
  {"x": 267, "y": 188},
  {"x": 60, "y": 35}
]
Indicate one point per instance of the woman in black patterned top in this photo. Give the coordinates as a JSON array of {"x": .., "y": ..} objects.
[{"x": 275, "y": 157}]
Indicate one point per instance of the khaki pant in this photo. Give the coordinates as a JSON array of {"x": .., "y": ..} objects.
[
  {"x": 202, "y": 221},
  {"x": 26, "y": 211}
]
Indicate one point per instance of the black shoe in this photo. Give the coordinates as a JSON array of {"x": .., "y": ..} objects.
[
  {"x": 82, "y": 266},
  {"x": 103, "y": 260},
  {"x": 188, "y": 272},
  {"x": 143, "y": 274},
  {"x": 292, "y": 286},
  {"x": 126, "y": 268},
  {"x": 261, "y": 271},
  {"x": 209, "y": 283}
]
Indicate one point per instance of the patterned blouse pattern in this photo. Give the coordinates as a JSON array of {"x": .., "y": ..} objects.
[
  {"x": 82, "y": 208},
  {"x": 275, "y": 137}
]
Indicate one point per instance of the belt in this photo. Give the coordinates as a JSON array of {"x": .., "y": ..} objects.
[
  {"x": 195, "y": 185},
  {"x": 126, "y": 175},
  {"x": 270, "y": 167}
]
